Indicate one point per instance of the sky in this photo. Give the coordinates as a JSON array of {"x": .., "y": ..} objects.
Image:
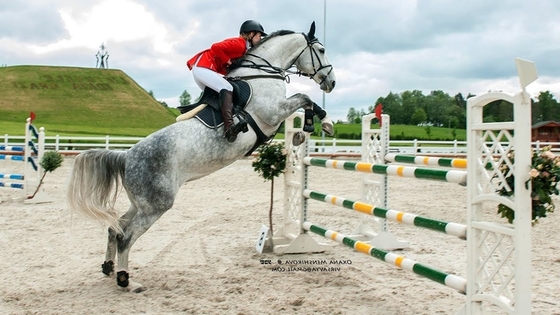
[{"x": 375, "y": 47}]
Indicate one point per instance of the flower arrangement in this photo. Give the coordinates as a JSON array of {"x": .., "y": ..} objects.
[
  {"x": 545, "y": 174},
  {"x": 270, "y": 163}
]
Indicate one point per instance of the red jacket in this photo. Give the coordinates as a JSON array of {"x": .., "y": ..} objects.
[{"x": 219, "y": 54}]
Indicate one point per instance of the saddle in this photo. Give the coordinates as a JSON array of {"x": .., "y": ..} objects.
[
  {"x": 207, "y": 111},
  {"x": 211, "y": 115}
]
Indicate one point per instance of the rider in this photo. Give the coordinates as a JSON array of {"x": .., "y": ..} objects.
[{"x": 210, "y": 65}]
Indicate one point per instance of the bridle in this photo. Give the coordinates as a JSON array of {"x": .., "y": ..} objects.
[
  {"x": 314, "y": 55},
  {"x": 281, "y": 73}
]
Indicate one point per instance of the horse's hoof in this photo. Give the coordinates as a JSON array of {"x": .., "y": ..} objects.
[
  {"x": 108, "y": 267},
  {"x": 135, "y": 287},
  {"x": 298, "y": 138},
  {"x": 327, "y": 126},
  {"x": 128, "y": 285}
]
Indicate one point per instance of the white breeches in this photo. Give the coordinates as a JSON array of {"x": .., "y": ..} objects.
[{"x": 205, "y": 77}]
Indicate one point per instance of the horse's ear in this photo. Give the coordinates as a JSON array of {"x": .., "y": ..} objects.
[{"x": 311, "y": 34}]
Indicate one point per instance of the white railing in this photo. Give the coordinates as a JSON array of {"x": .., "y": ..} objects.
[{"x": 333, "y": 147}]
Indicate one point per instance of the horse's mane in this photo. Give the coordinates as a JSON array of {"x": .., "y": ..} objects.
[
  {"x": 264, "y": 40},
  {"x": 271, "y": 35},
  {"x": 237, "y": 63}
]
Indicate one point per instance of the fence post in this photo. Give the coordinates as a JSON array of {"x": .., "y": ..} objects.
[{"x": 455, "y": 146}]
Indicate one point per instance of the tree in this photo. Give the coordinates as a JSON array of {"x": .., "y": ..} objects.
[
  {"x": 418, "y": 117},
  {"x": 437, "y": 107},
  {"x": 428, "y": 130},
  {"x": 411, "y": 102},
  {"x": 392, "y": 105},
  {"x": 547, "y": 108},
  {"x": 270, "y": 163},
  {"x": 459, "y": 110},
  {"x": 352, "y": 115},
  {"x": 151, "y": 93},
  {"x": 51, "y": 161},
  {"x": 185, "y": 98}
]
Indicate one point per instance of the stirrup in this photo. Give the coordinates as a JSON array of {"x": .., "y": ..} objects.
[
  {"x": 242, "y": 125},
  {"x": 230, "y": 137},
  {"x": 231, "y": 133}
]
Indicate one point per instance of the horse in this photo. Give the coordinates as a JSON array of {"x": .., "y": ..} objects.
[{"x": 152, "y": 171}]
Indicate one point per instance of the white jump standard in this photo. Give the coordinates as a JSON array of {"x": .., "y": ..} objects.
[
  {"x": 498, "y": 275},
  {"x": 30, "y": 154}
]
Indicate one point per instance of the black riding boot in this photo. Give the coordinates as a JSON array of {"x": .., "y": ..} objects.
[{"x": 226, "y": 105}]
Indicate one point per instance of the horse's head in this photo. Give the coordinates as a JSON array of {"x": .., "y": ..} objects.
[
  {"x": 281, "y": 50},
  {"x": 313, "y": 62}
]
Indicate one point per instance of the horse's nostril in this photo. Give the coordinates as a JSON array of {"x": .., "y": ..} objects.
[{"x": 333, "y": 84}]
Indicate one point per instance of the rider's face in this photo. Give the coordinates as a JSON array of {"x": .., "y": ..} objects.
[{"x": 256, "y": 38}]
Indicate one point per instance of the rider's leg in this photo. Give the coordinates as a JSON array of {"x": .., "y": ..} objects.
[
  {"x": 226, "y": 105},
  {"x": 215, "y": 81}
]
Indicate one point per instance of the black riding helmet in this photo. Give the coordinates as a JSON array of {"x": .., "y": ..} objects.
[{"x": 251, "y": 26}]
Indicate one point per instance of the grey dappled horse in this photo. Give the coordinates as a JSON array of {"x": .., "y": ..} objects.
[{"x": 154, "y": 169}]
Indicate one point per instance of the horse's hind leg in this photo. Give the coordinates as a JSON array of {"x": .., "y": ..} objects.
[
  {"x": 108, "y": 266},
  {"x": 134, "y": 228}
]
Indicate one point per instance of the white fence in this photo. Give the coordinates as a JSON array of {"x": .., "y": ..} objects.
[{"x": 330, "y": 147}]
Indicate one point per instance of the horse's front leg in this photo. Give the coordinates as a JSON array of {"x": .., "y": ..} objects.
[
  {"x": 326, "y": 123},
  {"x": 311, "y": 108},
  {"x": 285, "y": 108}
]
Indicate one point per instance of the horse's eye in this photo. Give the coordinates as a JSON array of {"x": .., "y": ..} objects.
[{"x": 322, "y": 50}]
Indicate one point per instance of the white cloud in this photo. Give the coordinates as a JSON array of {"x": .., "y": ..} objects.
[{"x": 110, "y": 21}]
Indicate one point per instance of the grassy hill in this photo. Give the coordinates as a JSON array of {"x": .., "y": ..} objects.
[{"x": 73, "y": 101}]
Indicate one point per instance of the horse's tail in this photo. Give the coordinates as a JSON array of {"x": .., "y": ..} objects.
[{"x": 94, "y": 185}]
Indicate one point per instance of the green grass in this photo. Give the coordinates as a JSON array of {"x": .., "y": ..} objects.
[
  {"x": 400, "y": 132},
  {"x": 78, "y": 101}
]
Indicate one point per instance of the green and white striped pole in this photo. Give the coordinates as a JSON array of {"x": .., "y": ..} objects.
[
  {"x": 451, "y": 228},
  {"x": 452, "y": 281},
  {"x": 426, "y": 160},
  {"x": 451, "y": 176}
]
